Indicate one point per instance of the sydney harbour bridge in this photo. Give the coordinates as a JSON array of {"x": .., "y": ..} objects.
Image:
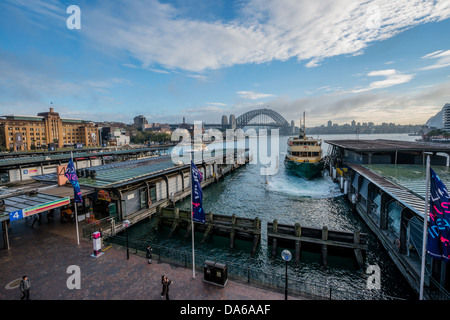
[{"x": 260, "y": 118}]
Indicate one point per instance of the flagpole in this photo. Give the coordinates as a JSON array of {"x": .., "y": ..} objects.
[
  {"x": 76, "y": 210},
  {"x": 192, "y": 218},
  {"x": 425, "y": 228}
]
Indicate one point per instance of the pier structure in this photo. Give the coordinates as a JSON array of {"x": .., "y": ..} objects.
[
  {"x": 316, "y": 239},
  {"x": 133, "y": 190},
  {"x": 385, "y": 182},
  {"x": 229, "y": 226}
]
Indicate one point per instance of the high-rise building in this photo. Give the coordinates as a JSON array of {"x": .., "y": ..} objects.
[
  {"x": 446, "y": 117},
  {"x": 19, "y": 132},
  {"x": 140, "y": 122}
]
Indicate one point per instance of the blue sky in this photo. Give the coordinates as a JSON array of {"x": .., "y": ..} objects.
[{"x": 339, "y": 60}]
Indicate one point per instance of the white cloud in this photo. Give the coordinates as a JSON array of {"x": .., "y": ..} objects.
[
  {"x": 442, "y": 57},
  {"x": 251, "y": 95},
  {"x": 392, "y": 78},
  {"x": 263, "y": 31}
]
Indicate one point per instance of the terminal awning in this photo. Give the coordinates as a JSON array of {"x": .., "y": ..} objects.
[{"x": 25, "y": 205}]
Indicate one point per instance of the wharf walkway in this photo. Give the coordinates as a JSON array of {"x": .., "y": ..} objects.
[{"x": 45, "y": 252}]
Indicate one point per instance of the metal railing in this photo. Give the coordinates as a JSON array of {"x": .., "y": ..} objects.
[
  {"x": 88, "y": 229},
  {"x": 250, "y": 275}
]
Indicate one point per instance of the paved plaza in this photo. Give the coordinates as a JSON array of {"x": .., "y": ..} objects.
[{"x": 45, "y": 252}]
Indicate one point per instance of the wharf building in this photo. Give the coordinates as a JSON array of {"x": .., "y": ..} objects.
[
  {"x": 113, "y": 192},
  {"x": 25, "y": 133},
  {"x": 385, "y": 180}
]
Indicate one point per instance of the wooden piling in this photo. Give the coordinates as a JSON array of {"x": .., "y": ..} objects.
[
  {"x": 158, "y": 219},
  {"x": 233, "y": 230},
  {"x": 324, "y": 246},
  {"x": 209, "y": 229},
  {"x": 176, "y": 222},
  {"x": 298, "y": 233},
  {"x": 307, "y": 238},
  {"x": 256, "y": 235},
  {"x": 358, "y": 253},
  {"x": 274, "y": 240}
]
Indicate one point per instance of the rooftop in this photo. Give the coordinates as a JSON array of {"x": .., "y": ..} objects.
[
  {"x": 406, "y": 183},
  {"x": 122, "y": 173},
  {"x": 66, "y": 156},
  {"x": 381, "y": 145}
]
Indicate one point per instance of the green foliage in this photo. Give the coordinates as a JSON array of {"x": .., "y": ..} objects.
[
  {"x": 145, "y": 136},
  {"x": 438, "y": 132}
]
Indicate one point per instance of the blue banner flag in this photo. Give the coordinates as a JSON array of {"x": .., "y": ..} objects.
[
  {"x": 198, "y": 214},
  {"x": 438, "y": 239},
  {"x": 71, "y": 175}
]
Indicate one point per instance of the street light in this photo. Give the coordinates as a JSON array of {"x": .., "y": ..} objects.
[
  {"x": 286, "y": 255},
  {"x": 125, "y": 224}
]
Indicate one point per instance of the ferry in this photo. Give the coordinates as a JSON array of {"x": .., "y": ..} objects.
[{"x": 304, "y": 155}]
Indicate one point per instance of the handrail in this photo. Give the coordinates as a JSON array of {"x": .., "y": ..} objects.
[{"x": 251, "y": 275}]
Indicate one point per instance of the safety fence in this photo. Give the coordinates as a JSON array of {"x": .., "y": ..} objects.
[{"x": 250, "y": 275}]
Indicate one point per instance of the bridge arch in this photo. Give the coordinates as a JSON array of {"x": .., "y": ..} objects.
[{"x": 244, "y": 119}]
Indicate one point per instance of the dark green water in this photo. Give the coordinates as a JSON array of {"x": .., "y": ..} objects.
[{"x": 289, "y": 199}]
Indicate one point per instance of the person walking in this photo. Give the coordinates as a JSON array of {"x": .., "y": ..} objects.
[
  {"x": 166, "y": 282},
  {"x": 25, "y": 286},
  {"x": 37, "y": 217},
  {"x": 149, "y": 254}
]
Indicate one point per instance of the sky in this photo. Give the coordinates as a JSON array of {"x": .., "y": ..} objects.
[{"x": 340, "y": 60}]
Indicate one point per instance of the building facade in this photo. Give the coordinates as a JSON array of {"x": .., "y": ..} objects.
[{"x": 24, "y": 133}]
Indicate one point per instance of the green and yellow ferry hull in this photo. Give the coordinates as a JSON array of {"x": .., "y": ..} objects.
[{"x": 306, "y": 170}]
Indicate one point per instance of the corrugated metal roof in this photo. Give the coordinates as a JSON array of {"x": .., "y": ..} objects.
[
  {"x": 112, "y": 175},
  {"x": 66, "y": 156},
  {"x": 411, "y": 198},
  {"x": 381, "y": 145},
  {"x": 117, "y": 172}
]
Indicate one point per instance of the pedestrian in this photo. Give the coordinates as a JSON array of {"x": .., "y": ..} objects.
[
  {"x": 149, "y": 254},
  {"x": 25, "y": 286},
  {"x": 37, "y": 217},
  {"x": 166, "y": 282}
]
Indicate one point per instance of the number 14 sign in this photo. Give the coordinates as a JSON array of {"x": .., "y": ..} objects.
[{"x": 15, "y": 215}]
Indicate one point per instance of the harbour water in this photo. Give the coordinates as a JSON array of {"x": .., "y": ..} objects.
[{"x": 289, "y": 199}]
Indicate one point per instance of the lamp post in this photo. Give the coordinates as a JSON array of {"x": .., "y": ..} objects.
[
  {"x": 125, "y": 224},
  {"x": 286, "y": 255}
]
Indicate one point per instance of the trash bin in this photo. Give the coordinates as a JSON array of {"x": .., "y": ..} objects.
[
  {"x": 209, "y": 271},
  {"x": 215, "y": 273}
]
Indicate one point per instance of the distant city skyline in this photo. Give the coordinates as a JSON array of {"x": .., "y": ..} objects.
[{"x": 369, "y": 61}]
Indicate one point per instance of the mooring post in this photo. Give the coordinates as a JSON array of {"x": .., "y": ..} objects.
[
  {"x": 232, "y": 232},
  {"x": 358, "y": 253},
  {"x": 175, "y": 222},
  {"x": 209, "y": 228},
  {"x": 298, "y": 233},
  {"x": 256, "y": 234},
  {"x": 274, "y": 240},
  {"x": 324, "y": 246}
]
